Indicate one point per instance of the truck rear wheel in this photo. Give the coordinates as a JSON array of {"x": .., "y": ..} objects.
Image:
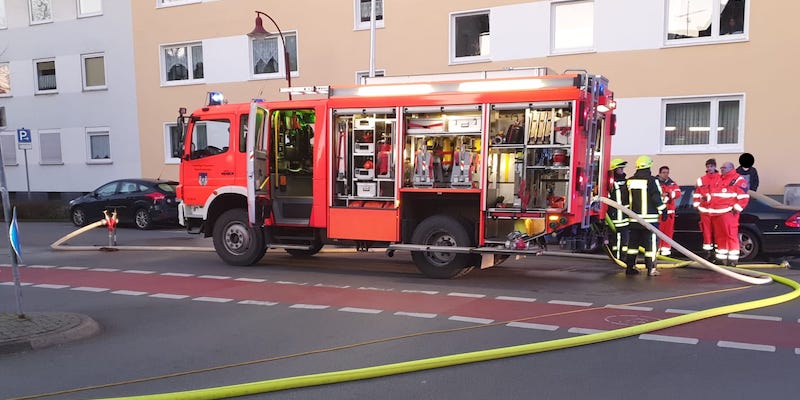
[
  {"x": 236, "y": 242},
  {"x": 440, "y": 230}
]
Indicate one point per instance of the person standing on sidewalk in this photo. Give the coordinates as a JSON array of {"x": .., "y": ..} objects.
[
  {"x": 729, "y": 197},
  {"x": 700, "y": 199},
  {"x": 748, "y": 171},
  {"x": 618, "y": 191},
  {"x": 671, "y": 192},
  {"x": 646, "y": 201}
]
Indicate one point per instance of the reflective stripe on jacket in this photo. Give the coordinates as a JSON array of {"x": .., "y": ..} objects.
[
  {"x": 729, "y": 193},
  {"x": 645, "y": 195},
  {"x": 618, "y": 191}
]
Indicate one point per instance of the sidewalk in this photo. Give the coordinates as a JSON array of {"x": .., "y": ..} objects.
[{"x": 43, "y": 329}]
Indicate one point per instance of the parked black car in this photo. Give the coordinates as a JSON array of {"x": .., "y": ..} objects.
[
  {"x": 765, "y": 226},
  {"x": 143, "y": 202}
]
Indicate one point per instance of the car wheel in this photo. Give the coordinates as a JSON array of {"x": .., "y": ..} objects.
[
  {"x": 142, "y": 219},
  {"x": 437, "y": 231},
  {"x": 748, "y": 245},
  {"x": 78, "y": 216}
]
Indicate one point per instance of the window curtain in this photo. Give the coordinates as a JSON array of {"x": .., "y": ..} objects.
[
  {"x": 687, "y": 123},
  {"x": 197, "y": 59},
  {"x": 291, "y": 47},
  {"x": 176, "y": 63},
  {"x": 366, "y": 10},
  {"x": 100, "y": 147},
  {"x": 728, "y": 130},
  {"x": 265, "y": 56}
]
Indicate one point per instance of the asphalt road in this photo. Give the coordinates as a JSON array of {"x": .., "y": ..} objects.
[{"x": 181, "y": 320}]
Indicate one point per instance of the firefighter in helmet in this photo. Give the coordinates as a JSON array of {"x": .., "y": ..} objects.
[
  {"x": 618, "y": 191},
  {"x": 646, "y": 201}
]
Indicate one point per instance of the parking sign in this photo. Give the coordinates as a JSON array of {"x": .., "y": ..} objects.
[{"x": 24, "y": 139}]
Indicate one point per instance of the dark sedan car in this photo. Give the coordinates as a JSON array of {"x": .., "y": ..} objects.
[
  {"x": 765, "y": 226},
  {"x": 143, "y": 202}
]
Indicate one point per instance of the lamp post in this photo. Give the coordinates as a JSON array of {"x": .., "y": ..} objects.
[{"x": 259, "y": 33}]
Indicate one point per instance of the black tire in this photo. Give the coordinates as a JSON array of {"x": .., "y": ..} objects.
[
  {"x": 316, "y": 246},
  {"x": 142, "y": 219},
  {"x": 748, "y": 245},
  {"x": 236, "y": 242},
  {"x": 440, "y": 230},
  {"x": 78, "y": 216}
]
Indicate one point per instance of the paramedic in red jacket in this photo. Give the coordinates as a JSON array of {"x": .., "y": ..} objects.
[
  {"x": 728, "y": 198},
  {"x": 671, "y": 193},
  {"x": 700, "y": 199}
]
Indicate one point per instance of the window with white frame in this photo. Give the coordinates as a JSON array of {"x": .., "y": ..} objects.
[
  {"x": 703, "y": 124},
  {"x": 363, "y": 9},
  {"x": 170, "y": 3},
  {"x": 361, "y": 75},
  {"x": 90, "y": 8},
  {"x": 182, "y": 63},
  {"x": 572, "y": 26},
  {"x": 94, "y": 71},
  {"x": 45, "y": 75},
  {"x": 703, "y": 20},
  {"x": 8, "y": 145},
  {"x": 173, "y": 143},
  {"x": 98, "y": 142},
  {"x": 268, "y": 56},
  {"x": 50, "y": 147},
  {"x": 3, "y": 18},
  {"x": 41, "y": 11},
  {"x": 469, "y": 36},
  {"x": 5, "y": 79}
]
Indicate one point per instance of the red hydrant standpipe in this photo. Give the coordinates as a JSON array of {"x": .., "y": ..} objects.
[{"x": 111, "y": 223}]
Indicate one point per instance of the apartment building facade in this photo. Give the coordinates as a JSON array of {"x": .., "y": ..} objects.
[{"x": 67, "y": 76}]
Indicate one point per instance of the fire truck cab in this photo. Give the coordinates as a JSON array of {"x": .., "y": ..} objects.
[{"x": 461, "y": 173}]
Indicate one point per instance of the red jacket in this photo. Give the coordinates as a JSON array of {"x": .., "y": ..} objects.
[
  {"x": 702, "y": 191},
  {"x": 671, "y": 192},
  {"x": 729, "y": 193}
]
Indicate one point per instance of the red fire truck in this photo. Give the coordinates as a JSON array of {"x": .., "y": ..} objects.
[{"x": 461, "y": 173}]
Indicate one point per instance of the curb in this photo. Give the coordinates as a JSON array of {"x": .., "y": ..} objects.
[{"x": 69, "y": 332}]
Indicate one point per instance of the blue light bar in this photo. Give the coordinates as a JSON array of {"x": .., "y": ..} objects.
[{"x": 215, "y": 98}]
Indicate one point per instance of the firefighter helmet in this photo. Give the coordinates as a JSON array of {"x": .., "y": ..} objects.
[
  {"x": 644, "y": 162},
  {"x": 617, "y": 162}
]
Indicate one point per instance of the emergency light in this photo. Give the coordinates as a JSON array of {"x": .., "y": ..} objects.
[{"x": 215, "y": 98}]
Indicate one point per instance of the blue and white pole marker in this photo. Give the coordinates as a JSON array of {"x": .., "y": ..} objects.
[{"x": 13, "y": 235}]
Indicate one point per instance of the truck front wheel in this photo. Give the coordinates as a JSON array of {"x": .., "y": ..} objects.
[
  {"x": 236, "y": 242},
  {"x": 440, "y": 230}
]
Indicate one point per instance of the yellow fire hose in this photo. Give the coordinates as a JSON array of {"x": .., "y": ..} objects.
[{"x": 498, "y": 353}]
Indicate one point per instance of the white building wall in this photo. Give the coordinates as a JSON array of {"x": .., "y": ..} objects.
[{"x": 71, "y": 110}]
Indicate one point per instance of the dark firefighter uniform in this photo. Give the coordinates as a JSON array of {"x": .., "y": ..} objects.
[
  {"x": 646, "y": 201},
  {"x": 618, "y": 191}
]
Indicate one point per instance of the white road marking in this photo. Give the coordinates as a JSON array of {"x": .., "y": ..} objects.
[
  {"x": 258, "y": 303},
  {"x": 679, "y": 311},
  {"x": 758, "y": 317},
  {"x": 420, "y": 291},
  {"x": 177, "y": 274},
  {"x": 331, "y": 286},
  {"x": 632, "y": 308},
  {"x": 360, "y": 310},
  {"x": 290, "y": 283},
  {"x": 212, "y": 299},
  {"x": 470, "y": 295},
  {"x": 671, "y": 339},
  {"x": 309, "y": 306},
  {"x": 527, "y": 325},
  {"x": 510, "y": 298},
  {"x": 415, "y": 315},
  {"x": 169, "y": 296},
  {"x": 470, "y": 319},
  {"x": 104, "y": 269},
  {"x": 138, "y": 271},
  {"x": 73, "y": 268},
  {"x": 37, "y": 266},
  {"x": 214, "y": 277},
  {"x": 570, "y": 303},
  {"x": 128, "y": 292},
  {"x": 254, "y": 280},
  {"x": 375, "y": 289},
  {"x": 50, "y": 286},
  {"x": 90, "y": 289},
  {"x": 585, "y": 331},
  {"x": 746, "y": 346}
]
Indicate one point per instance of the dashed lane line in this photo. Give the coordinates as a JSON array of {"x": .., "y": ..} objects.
[
  {"x": 253, "y": 280},
  {"x": 138, "y": 271},
  {"x": 585, "y": 331},
  {"x": 570, "y": 303},
  {"x": 50, "y": 286},
  {"x": 360, "y": 310},
  {"x": 218, "y": 277},
  {"x": 420, "y": 291},
  {"x": 679, "y": 311},
  {"x": 212, "y": 299},
  {"x": 290, "y": 283},
  {"x": 511, "y": 298},
  {"x": 74, "y": 268},
  {"x": 746, "y": 346},
  {"x": 670, "y": 339},
  {"x": 471, "y": 319},
  {"x": 415, "y": 315},
  {"x": 527, "y": 325},
  {"x": 169, "y": 296},
  {"x": 90, "y": 289},
  {"x": 178, "y": 274},
  {"x": 128, "y": 292},
  {"x": 310, "y": 306},
  {"x": 631, "y": 308},
  {"x": 469, "y": 295},
  {"x": 756, "y": 317},
  {"x": 258, "y": 303},
  {"x": 104, "y": 269}
]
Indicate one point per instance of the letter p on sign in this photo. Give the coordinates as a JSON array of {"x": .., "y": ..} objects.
[{"x": 24, "y": 139}]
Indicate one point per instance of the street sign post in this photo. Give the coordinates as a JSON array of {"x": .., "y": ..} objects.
[{"x": 25, "y": 142}]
